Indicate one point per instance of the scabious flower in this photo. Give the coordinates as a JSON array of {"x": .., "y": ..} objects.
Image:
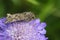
[{"x": 20, "y": 30}]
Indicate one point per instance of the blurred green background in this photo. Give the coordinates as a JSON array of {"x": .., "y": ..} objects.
[{"x": 47, "y": 10}]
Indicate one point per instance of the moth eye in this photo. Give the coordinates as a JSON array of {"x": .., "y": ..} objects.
[
  {"x": 9, "y": 16},
  {"x": 32, "y": 17}
]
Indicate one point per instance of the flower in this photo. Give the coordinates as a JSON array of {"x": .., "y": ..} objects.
[{"x": 20, "y": 30}]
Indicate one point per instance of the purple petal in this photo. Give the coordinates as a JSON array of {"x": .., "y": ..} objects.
[
  {"x": 2, "y": 24},
  {"x": 43, "y": 24},
  {"x": 2, "y": 20},
  {"x": 36, "y": 21},
  {"x": 42, "y": 37},
  {"x": 43, "y": 31}
]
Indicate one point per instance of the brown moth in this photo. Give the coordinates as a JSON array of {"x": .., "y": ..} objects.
[{"x": 25, "y": 16}]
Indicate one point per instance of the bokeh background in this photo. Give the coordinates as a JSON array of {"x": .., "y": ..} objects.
[{"x": 47, "y": 10}]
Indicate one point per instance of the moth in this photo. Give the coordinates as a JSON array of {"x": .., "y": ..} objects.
[{"x": 25, "y": 16}]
